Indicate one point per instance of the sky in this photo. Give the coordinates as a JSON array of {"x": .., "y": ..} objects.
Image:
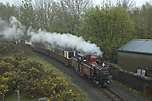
[
  {"x": 138, "y": 2},
  {"x": 97, "y": 2}
]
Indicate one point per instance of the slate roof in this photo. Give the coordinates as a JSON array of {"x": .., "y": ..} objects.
[{"x": 143, "y": 46}]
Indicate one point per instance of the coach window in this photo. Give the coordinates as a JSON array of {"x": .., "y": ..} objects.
[{"x": 71, "y": 54}]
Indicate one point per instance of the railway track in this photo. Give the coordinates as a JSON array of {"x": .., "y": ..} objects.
[
  {"x": 95, "y": 93},
  {"x": 112, "y": 95}
]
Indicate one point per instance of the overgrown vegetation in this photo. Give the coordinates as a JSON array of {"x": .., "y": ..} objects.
[
  {"x": 30, "y": 78},
  {"x": 21, "y": 71}
]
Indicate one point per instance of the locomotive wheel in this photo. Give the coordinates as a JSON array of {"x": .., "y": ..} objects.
[{"x": 103, "y": 85}]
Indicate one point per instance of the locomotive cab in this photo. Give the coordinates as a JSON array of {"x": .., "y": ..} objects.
[
  {"x": 88, "y": 66},
  {"x": 91, "y": 59}
]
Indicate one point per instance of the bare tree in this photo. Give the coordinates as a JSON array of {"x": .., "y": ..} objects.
[
  {"x": 44, "y": 12},
  {"x": 74, "y": 8},
  {"x": 62, "y": 15},
  {"x": 126, "y": 3}
]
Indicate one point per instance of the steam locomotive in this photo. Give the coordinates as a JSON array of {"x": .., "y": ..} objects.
[{"x": 86, "y": 65}]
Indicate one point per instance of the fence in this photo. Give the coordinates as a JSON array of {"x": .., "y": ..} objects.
[{"x": 132, "y": 80}]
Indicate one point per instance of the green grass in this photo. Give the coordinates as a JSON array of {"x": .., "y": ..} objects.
[
  {"x": 14, "y": 98},
  {"x": 48, "y": 65},
  {"x": 128, "y": 88}
]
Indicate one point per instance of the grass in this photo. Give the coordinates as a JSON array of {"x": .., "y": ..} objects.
[
  {"x": 14, "y": 98},
  {"x": 128, "y": 88},
  {"x": 48, "y": 65}
]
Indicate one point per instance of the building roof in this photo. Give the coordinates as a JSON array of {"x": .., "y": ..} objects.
[{"x": 143, "y": 46}]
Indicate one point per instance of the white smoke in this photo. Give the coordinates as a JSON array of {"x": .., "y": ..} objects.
[
  {"x": 11, "y": 30},
  {"x": 65, "y": 40},
  {"x": 14, "y": 30}
]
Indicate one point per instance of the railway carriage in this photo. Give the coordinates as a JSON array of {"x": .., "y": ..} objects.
[
  {"x": 75, "y": 63},
  {"x": 62, "y": 55}
]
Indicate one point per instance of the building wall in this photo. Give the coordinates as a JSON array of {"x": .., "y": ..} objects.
[{"x": 132, "y": 61}]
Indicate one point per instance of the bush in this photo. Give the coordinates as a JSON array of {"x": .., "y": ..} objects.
[{"x": 33, "y": 81}]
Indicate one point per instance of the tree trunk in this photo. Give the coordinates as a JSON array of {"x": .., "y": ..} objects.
[
  {"x": 18, "y": 95},
  {"x": 3, "y": 97}
]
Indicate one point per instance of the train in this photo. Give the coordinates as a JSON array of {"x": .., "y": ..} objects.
[{"x": 85, "y": 65}]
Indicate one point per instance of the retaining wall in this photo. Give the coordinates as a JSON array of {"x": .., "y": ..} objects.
[{"x": 132, "y": 80}]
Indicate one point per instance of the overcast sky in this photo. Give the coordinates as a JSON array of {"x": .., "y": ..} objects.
[{"x": 138, "y": 2}]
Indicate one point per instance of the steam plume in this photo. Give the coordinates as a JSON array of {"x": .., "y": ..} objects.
[
  {"x": 65, "y": 40},
  {"x": 11, "y": 30},
  {"x": 14, "y": 30}
]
